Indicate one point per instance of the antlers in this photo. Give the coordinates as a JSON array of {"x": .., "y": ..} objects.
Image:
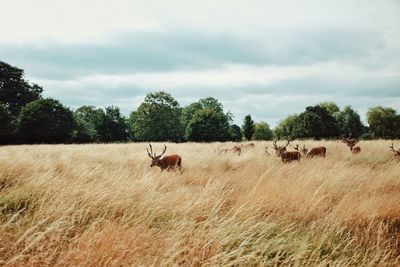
[
  {"x": 395, "y": 152},
  {"x": 276, "y": 147},
  {"x": 304, "y": 149},
  {"x": 154, "y": 155},
  {"x": 350, "y": 141}
]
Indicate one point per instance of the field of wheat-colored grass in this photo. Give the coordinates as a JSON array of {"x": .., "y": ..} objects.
[{"x": 98, "y": 205}]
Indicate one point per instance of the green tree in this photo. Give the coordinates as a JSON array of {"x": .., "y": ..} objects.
[
  {"x": 208, "y": 125},
  {"x": 113, "y": 127},
  {"x": 262, "y": 131},
  {"x": 383, "y": 122},
  {"x": 285, "y": 128},
  {"x": 46, "y": 121},
  {"x": 248, "y": 127},
  {"x": 331, "y": 107},
  {"x": 187, "y": 114},
  {"x": 15, "y": 91},
  {"x": 7, "y": 127},
  {"x": 317, "y": 123},
  {"x": 349, "y": 122},
  {"x": 158, "y": 119},
  {"x": 131, "y": 122},
  {"x": 235, "y": 133},
  {"x": 208, "y": 103},
  {"x": 88, "y": 120}
]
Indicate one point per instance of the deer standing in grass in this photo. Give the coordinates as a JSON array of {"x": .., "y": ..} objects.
[
  {"x": 351, "y": 144},
  {"x": 396, "y": 153},
  {"x": 319, "y": 151},
  {"x": 286, "y": 156},
  {"x": 169, "y": 162}
]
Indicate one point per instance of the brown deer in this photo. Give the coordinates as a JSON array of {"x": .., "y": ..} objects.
[
  {"x": 286, "y": 156},
  {"x": 319, "y": 151},
  {"x": 351, "y": 144},
  {"x": 169, "y": 162},
  {"x": 396, "y": 153}
]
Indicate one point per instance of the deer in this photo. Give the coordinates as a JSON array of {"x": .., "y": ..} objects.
[
  {"x": 351, "y": 144},
  {"x": 319, "y": 151},
  {"x": 286, "y": 156},
  {"x": 396, "y": 153},
  {"x": 169, "y": 162},
  {"x": 236, "y": 150}
]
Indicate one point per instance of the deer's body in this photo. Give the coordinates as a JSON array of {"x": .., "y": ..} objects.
[
  {"x": 169, "y": 162},
  {"x": 351, "y": 144},
  {"x": 286, "y": 156},
  {"x": 235, "y": 150},
  {"x": 319, "y": 151},
  {"x": 355, "y": 149}
]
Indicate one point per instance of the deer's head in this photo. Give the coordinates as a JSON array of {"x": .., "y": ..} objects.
[{"x": 155, "y": 160}]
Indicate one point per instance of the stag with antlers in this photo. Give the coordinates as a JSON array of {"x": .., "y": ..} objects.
[
  {"x": 286, "y": 156},
  {"x": 169, "y": 162},
  {"x": 319, "y": 151},
  {"x": 396, "y": 153},
  {"x": 351, "y": 144}
]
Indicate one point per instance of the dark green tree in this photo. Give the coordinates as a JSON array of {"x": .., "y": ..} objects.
[
  {"x": 235, "y": 133},
  {"x": 46, "y": 121},
  {"x": 131, "y": 122},
  {"x": 248, "y": 127},
  {"x": 349, "y": 122},
  {"x": 208, "y": 125},
  {"x": 7, "y": 127},
  {"x": 383, "y": 122},
  {"x": 262, "y": 131},
  {"x": 208, "y": 103},
  {"x": 211, "y": 103},
  {"x": 187, "y": 114},
  {"x": 113, "y": 126},
  {"x": 15, "y": 91},
  {"x": 158, "y": 119},
  {"x": 88, "y": 120}
]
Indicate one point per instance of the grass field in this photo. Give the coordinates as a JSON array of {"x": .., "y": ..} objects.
[{"x": 94, "y": 205}]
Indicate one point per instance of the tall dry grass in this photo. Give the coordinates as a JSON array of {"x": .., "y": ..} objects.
[{"x": 98, "y": 205}]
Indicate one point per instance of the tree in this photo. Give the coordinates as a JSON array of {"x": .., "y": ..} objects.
[
  {"x": 331, "y": 107},
  {"x": 7, "y": 128},
  {"x": 113, "y": 126},
  {"x": 285, "y": 128},
  {"x": 88, "y": 120},
  {"x": 210, "y": 104},
  {"x": 349, "y": 122},
  {"x": 330, "y": 127},
  {"x": 187, "y": 114},
  {"x": 262, "y": 131},
  {"x": 131, "y": 122},
  {"x": 46, "y": 121},
  {"x": 383, "y": 122},
  {"x": 15, "y": 91},
  {"x": 158, "y": 119},
  {"x": 208, "y": 125},
  {"x": 248, "y": 127},
  {"x": 235, "y": 133}
]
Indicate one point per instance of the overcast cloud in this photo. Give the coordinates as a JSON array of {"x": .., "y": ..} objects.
[{"x": 264, "y": 58}]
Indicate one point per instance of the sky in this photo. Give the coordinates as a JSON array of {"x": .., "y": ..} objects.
[{"x": 259, "y": 57}]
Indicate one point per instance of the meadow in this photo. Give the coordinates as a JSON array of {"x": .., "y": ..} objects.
[{"x": 102, "y": 205}]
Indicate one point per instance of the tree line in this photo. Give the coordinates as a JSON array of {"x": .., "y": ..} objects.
[{"x": 26, "y": 117}]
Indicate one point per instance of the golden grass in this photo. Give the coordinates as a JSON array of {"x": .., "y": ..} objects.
[{"x": 94, "y": 205}]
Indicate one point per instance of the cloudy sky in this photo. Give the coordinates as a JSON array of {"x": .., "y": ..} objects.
[{"x": 259, "y": 57}]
